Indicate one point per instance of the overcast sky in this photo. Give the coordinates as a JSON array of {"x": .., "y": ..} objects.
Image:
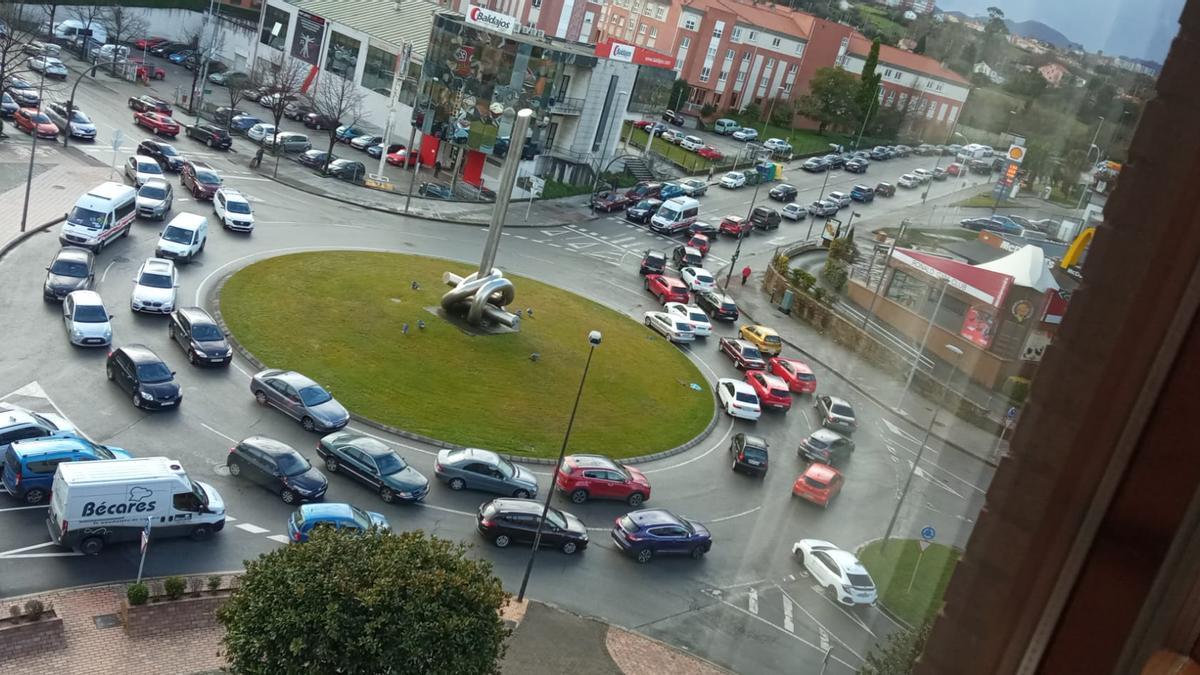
[{"x": 1136, "y": 28}]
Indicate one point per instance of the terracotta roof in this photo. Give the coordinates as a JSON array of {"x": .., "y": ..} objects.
[
  {"x": 861, "y": 46},
  {"x": 767, "y": 17}
]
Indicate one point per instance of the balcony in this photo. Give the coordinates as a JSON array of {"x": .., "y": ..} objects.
[{"x": 567, "y": 105}]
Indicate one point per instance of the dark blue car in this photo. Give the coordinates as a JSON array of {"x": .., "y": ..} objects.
[
  {"x": 29, "y": 465},
  {"x": 243, "y": 123},
  {"x": 671, "y": 190},
  {"x": 862, "y": 193},
  {"x": 180, "y": 57},
  {"x": 649, "y": 532},
  {"x": 339, "y": 516}
]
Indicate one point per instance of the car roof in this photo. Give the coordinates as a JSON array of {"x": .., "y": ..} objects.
[
  {"x": 368, "y": 445},
  {"x": 846, "y": 561},
  {"x": 529, "y": 506},
  {"x": 652, "y": 517},
  {"x": 297, "y": 380},
  {"x": 475, "y": 454},
  {"x": 822, "y": 472},
  {"x": 836, "y": 399},
  {"x": 233, "y": 195},
  {"x": 592, "y": 461},
  {"x": 83, "y": 297},
  {"x": 11, "y": 416},
  {"x": 825, "y": 435},
  {"x": 269, "y": 446},
  {"x": 756, "y": 441},
  {"x": 656, "y": 254},
  {"x": 739, "y": 386},
  {"x": 156, "y": 182},
  {"x": 139, "y": 354},
  {"x": 158, "y": 265},
  {"x": 196, "y": 315},
  {"x": 145, "y": 159},
  {"x": 327, "y": 510},
  {"x": 73, "y": 253},
  {"x": 30, "y": 446},
  {"x": 771, "y": 380}
]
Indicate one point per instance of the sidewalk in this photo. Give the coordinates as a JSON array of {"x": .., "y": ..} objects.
[
  {"x": 58, "y": 179},
  {"x": 546, "y": 641}
]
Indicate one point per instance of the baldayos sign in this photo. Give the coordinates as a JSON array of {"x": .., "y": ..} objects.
[
  {"x": 622, "y": 52},
  {"x": 619, "y": 51},
  {"x": 486, "y": 18}
]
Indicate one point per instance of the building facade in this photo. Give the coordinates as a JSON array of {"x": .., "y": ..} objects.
[{"x": 931, "y": 96}]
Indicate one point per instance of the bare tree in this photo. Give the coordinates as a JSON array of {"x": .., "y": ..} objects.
[
  {"x": 122, "y": 24},
  {"x": 13, "y": 40},
  {"x": 238, "y": 86},
  {"x": 50, "y": 9},
  {"x": 90, "y": 16},
  {"x": 282, "y": 82},
  {"x": 337, "y": 98}
]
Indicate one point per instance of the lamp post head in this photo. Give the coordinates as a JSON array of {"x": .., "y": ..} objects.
[
  {"x": 954, "y": 349},
  {"x": 594, "y": 338}
]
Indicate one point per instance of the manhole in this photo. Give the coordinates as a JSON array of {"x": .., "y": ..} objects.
[{"x": 107, "y": 621}]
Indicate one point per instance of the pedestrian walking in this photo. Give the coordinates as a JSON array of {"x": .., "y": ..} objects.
[
  {"x": 745, "y": 274},
  {"x": 437, "y": 168}
]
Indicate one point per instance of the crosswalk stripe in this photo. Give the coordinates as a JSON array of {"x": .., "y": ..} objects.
[
  {"x": 787, "y": 615},
  {"x": 281, "y": 538},
  {"x": 753, "y": 601},
  {"x": 252, "y": 528}
]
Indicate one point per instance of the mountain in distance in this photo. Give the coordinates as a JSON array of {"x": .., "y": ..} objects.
[{"x": 1027, "y": 29}]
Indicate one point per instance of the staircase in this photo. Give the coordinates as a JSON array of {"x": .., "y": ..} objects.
[{"x": 638, "y": 169}]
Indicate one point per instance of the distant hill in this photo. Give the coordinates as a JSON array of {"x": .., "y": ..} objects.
[{"x": 1038, "y": 31}]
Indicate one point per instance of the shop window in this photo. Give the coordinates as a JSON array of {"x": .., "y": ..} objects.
[
  {"x": 272, "y": 16},
  {"x": 378, "y": 70},
  {"x": 342, "y": 55}
]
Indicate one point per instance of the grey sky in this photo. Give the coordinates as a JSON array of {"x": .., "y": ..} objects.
[{"x": 1136, "y": 28}]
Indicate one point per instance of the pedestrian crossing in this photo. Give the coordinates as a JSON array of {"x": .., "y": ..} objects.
[{"x": 613, "y": 241}]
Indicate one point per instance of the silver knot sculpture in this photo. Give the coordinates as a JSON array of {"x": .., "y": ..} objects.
[{"x": 481, "y": 298}]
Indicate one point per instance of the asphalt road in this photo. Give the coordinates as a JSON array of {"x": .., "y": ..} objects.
[{"x": 747, "y": 605}]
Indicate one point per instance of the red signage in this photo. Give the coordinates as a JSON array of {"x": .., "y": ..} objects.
[{"x": 621, "y": 51}]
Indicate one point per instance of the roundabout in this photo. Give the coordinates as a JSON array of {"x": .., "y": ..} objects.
[{"x": 369, "y": 328}]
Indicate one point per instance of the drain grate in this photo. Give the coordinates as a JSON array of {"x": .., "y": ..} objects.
[{"x": 107, "y": 621}]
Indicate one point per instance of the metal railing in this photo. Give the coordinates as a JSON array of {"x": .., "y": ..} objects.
[{"x": 568, "y": 105}]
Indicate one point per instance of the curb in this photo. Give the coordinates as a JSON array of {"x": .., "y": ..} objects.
[
  {"x": 437, "y": 443},
  {"x": 28, "y": 233},
  {"x": 115, "y": 582}
]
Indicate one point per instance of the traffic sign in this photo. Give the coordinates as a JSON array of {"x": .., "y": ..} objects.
[
  {"x": 928, "y": 533},
  {"x": 923, "y": 544},
  {"x": 118, "y": 138},
  {"x": 1012, "y": 413}
]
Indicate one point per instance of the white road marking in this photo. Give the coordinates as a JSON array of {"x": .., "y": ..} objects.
[
  {"x": 264, "y": 180},
  {"x": 348, "y": 227},
  {"x": 790, "y": 602},
  {"x": 620, "y": 286},
  {"x": 229, "y": 518},
  {"x": 685, "y": 462},
  {"x": 281, "y": 538},
  {"x": 792, "y": 635},
  {"x": 23, "y": 549},
  {"x": 59, "y": 554},
  {"x": 251, "y": 528},
  {"x": 32, "y": 390},
  {"x": 736, "y": 515},
  {"x": 446, "y": 510},
  {"x": 228, "y": 438},
  {"x": 622, "y": 240},
  {"x": 106, "y": 269},
  {"x": 23, "y": 508},
  {"x": 753, "y": 601},
  {"x": 861, "y": 624},
  {"x": 787, "y": 615},
  {"x": 824, "y": 640}
]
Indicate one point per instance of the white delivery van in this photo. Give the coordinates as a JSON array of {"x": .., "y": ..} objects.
[
  {"x": 100, "y": 216},
  {"x": 112, "y": 500},
  {"x": 183, "y": 238},
  {"x": 675, "y": 215},
  {"x": 73, "y": 28},
  {"x": 973, "y": 151}
]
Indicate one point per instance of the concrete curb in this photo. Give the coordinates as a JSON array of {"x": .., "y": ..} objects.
[
  {"x": 28, "y": 233},
  {"x": 437, "y": 443},
  {"x": 118, "y": 582}
]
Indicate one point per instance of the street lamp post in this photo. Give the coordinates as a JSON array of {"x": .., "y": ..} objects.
[
  {"x": 33, "y": 150},
  {"x": 594, "y": 341},
  {"x": 604, "y": 151},
  {"x": 921, "y": 350},
  {"x": 867, "y": 118},
  {"x": 71, "y": 101},
  {"x": 921, "y": 448},
  {"x": 742, "y": 234},
  {"x": 770, "y": 108},
  {"x": 412, "y": 141}
]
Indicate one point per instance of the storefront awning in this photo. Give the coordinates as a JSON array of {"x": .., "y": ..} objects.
[
  {"x": 983, "y": 284},
  {"x": 1027, "y": 267}
]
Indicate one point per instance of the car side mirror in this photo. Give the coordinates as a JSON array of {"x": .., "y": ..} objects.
[
  {"x": 110, "y": 317},
  {"x": 172, "y": 373}
]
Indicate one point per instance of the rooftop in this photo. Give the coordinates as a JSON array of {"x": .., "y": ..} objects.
[{"x": 861, "y": 46}]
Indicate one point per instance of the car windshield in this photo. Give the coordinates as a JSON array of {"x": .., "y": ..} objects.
[
  {"x": 314, "y": 395},
  {"x": 814, "y": 483},
  {"x": 556, "y": 519},
  {"x": 506, "y": 467},
  {"x": 697, "y": 315},
  {"x": 752, "y": 452},
  {"x": 751, "y": 353},
  {"x": 103, "y": 452},
  {"x": 292, "y": 464},
  {"x": 208, "y": 178},
  {"x": 806, "y": 377},
  {"x": 149, "y": 167},
  {"x": 778, "y": 393},
  {"x": 155, "y": 280},
  {"x": 817, "y": 443},
  {"x": 843, "y": 410},
  {"x": 79, "y": 118},
  {"x": 390, "y": 463},
  {"x": 69, "y": 268},
  {"x": 772, "y": 340},
  {"x": 168, "y": 151},
  {"x": 177, "y": 235},
  {"x": 40, "y": 118},
  {"x": 90, "y": 314},
  {"x": 200, "y": 493},
  {"x": 153, "y": 192},
  {"x": 206, "y": 332},
  {"x": 860, "y": 580},
  {"x": 237, "y": 207},
  {"x": 87, "y": 218},
  {"x": 747, "y": 397},
  {"x": 153, "y": 373}
]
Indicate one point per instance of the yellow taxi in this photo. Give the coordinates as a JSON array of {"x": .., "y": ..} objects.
[{"x": 766, "y": 339}]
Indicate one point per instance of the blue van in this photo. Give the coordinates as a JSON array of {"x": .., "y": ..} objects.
[{"x": 29, "y": 465}]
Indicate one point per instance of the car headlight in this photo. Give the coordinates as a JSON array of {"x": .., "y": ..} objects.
[
  {"x": 76, "y": 333},
  {"x": 146, "y": 396},
  {"x": 405, "y": 495}
]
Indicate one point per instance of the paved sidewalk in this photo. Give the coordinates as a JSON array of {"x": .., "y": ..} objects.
[{"x": 59, "y": 178}]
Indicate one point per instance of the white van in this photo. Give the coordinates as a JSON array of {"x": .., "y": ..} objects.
[
  {"x": 183, "y": 238},
  {"x": 675, "y": 215},
  {"x": 100, "y": 216},
  {"x": 973, "y": 151},
  {"x": 103, "y": 502},
  {"x": 73, "y": 28},
  {"x": 726, "y": 126}
]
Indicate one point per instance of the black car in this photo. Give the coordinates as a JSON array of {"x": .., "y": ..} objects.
[
  {"x": 278, "y": 467},
  {"x": 149, "y": 104},
  {"x": 879, "y": 152},
  {"x": 72, "y": 269},
  {"x": 502, "y": 144},
  {"x": 224, "y": 114},
  {"x": 717, "y": 305},
  {"x": 210, "y": 135},
  {"x": 814, "y": 165},
  {"x": 643, "y": 211},
  {"x": 783, "y": 193},
  {"x": 940, "y": 174},
  {"x": 765, "y": 218},
  {"x": 515, "y": 521},
  {"x": 435, "y": 191},
  {"x": 373, "y": 463},
  {"x": 686, "y": 256},
  {"x": 347, "y": 169},
  {"x": 701, "y": 227},
  {"x": 826, "y": 447},
  {"x": 653, "y": 262},
  {"x": 980, "y": 166},
  {"x": 139, "y": 371},
  {"x": 834, "y": 161},
  {"x": 296, "y": 110},
  {"x": 166, "y": 154},
  {"x": 885, "y": 190},
  {"x": 672, "y": 117},
  {"x": 857, "y": 165},
  {"x": 314, "y": 120},
  {"x": 749, "y": 454},
  {"x": 314, "y": 158},
  {"x": 165, "y": 49},
  {"x": 199, "y": 336}
]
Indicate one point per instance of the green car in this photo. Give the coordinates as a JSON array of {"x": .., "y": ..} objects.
[{"x": 374, "y": 463}]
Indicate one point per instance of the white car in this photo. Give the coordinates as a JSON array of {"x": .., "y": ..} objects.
[
  {"x": 824, "y": 207},
  {"x": 775, "y": 144},
  {"x": 745, "y": 134},
  {"x": 693, "y": 315},
  {"x": 923, "y": 175},
  {"x": 838, "y": 571},
  {"x": 86, "y": 319},
  {"x": 694, "y": 187},
  {"x": 733, "y": 179},
  {"x": 260, "y": 131},
  {"x": 692, "y": 143},
  {"x": 233, "y": 210},
  {"x": 671, "y": 136},
  {"x": 48, "y": 64},
  {"x": 698, "y": 279},
  {"x": 183, "y": 238},
  {"x": 908, "y": 181},
  {"x": 154, "y": 287},
  {"x": 738, "y": 399},
  {"x": 365, "y": 141},
  {"x": 842, "y": 199},
  {"x": 794, "y": 211},
  {"x": 671, "y": 327},
  {"x": 141, "y": 168}
]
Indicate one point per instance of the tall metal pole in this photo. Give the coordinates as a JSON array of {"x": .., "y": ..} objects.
[
  {"x": 33, "y": 151},
  {"x": 886, "y": 263},
  {"x": 412, "y": 141},
  {"x": 508, "y": 177},
  {"x": 594, "y": 339},
  {"x": 71, "y": 101},
  {"x": 921, "y": 350},
  {"x": 401, "y": 66},
  {"x": 604, "y": 151},
  {"x": 742, "y": 235},
  {"x": 823, "y": 184},
  {"x": 920, "y": 451}
]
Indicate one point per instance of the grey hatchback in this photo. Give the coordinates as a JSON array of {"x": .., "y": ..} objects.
[
  {"x": 300, "y": 398},
  {"x": 836, "y": 413},
  {"x": 826, "y": 447},
  {"x": 484, "y": 470}
]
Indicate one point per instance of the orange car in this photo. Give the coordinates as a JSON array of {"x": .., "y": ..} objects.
[
  {"x": 819, "y": 484},
  {"x": 33, "y": 121},
  {"x": 700, "y": 243}
]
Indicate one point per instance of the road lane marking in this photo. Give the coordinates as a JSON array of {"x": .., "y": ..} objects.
[
  {"x": 792, "y": 635},
  {"x": 790, "y": 602},
  {"x": 251, "y": 528},
  {"x": 106, "y": 269},
  {"x": 787, "y": 614},
  {"x": 57, "y": 554},
  {"x": 23, "y": 508},
  {"x": 736, "y": 515},
  {"x": 753, "y": 601},
  {"x": 446, "y": 510},
  {"x": 281, "y": 538},
  {"x": 14, "y": 552},
  {"x": 824, "y": 640},
  {"x": 231, "y": 440},
  {"x": 685, "y": 462}
]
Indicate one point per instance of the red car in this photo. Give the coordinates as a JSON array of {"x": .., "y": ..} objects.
[
  {"x": 772, "y": 391},
  {"x": 819, "y": 484},
  {"x": 609, "y": 201},
  {"x": 700, "y": 243},
  {"x": 158, "y": 123},
  {"x": 667, "y": 289},
  {"x": 642, "y": 124},
  {"x": 798, "y": 376},
  {"x": 584, "y": 477},
  {"x": 200, "y": 178},
  {"x": 150, "y": 72},
  {"x": 956, "y": 169},
  {"x": 33, "y": 121},
  {"x": 149, "y": 43},
  {"x": 745, "y": 355},
  {"x": 735, "y": 226},
  {"x": 709, "y": 152},
  {"x": 403, "y": 156}
]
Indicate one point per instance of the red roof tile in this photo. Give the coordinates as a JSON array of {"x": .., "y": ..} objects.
[
  {"x": 861, "y": 46},
  {"x": 765, "y": 16}
]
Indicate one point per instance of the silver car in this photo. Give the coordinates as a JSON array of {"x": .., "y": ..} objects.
[
  {"x": 86, "y": 320},
  {"x": 836, "y": 413},
  {"x": 300, "y": 398},
  {"x": 484, "y": 470},
  {"x": 141, "y": 168},
  {"x": 154, "y": 199}
]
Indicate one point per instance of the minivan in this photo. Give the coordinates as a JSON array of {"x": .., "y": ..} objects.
[
  {"x": 29, "y": 465},
  {"x": 100, "y": 216},
  {"x": 72, "y": 28},
  {"x": 764, "y": 218},
  {"x": 675, "y": 215},
  {"x": 183, "y": 238},
  {"x": 725, "y": 126}
]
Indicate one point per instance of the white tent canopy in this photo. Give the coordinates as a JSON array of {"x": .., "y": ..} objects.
[{"x": 1027, "y": 267}]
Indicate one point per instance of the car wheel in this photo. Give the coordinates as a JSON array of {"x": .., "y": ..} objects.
[
  {"x": 646, "y": 284},
  {"x": 501, "y": 541},
  {"x": 331, "y": 463},
  {"x": 260, "y": 397},
  {"x": 35, "y": 496},
  {"x": 697, "y": 552},
  {"x": 91, "y": 546},
  {"x": 635, "y": 499},
  {"x": 456, "y": 484},
  {"x": 109, "y": 372},
  {"x": 521, "y": 494},
  {"x": 209, "y": 143},
  {"x": 307, "y": 424},
  {"x": 387, "y": 495},
  {"x": 201, "y": 532},
  {"x": 579, "y": 496},
  {"x": 662, "y": 299},
  {"x": 734, "y": 467},
  {"x": 287, "y": 496},
  {"x": 643, "y": 555},
  {"x": 137, "y": 401},
  {"x": 235, "y": 469},
  {"x": 569, "y": 547}
]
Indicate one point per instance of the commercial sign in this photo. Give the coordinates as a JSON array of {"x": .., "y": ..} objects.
[
  {"x": 990, "y": 287},
  {"x": 620, "y": 51},
  {"x": 978, "y": 326},
  {"x": 310, "y": 33},
  {"x": 1016, "y": 153},
  {"x": 495, "y": 21}
]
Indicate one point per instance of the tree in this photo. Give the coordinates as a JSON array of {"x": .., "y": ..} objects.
[
  {"x": 12, "y": 46},
  {"x": 832, "y": 100},
  {"x": 122, "y": 24},
  {"x": 898, "y": 655},
  {"x": 374, "y": 603},
  {"x": 337, "y": 98},
  {"x": 238, "y": 86},
  {"x": 283, "y": 82},
  {"x": 781, "y": 113},
  {"x": 680, "y": 91},
  {"x": 752, "y": 111},
  {"x": 1026, "y": 83},
  {"x": 869, "y": 81},
  {"x": 920, "y": 48},
  {"x": 90, "y": 16}
]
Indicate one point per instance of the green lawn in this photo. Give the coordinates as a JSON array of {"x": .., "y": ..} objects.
[
  {"x": 987, "y": 200},
  {"x": 482, "y": 391},
  {"x": 877, "y": 17},
  {"x": 914, "y": 598}
]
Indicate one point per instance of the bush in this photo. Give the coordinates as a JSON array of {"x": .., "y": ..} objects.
[
  {"x": 780, "y": 263},
  {"x": 14, "y": 611},
  {"x": 34, "y": 609},
  {"x": 752, "y": 112},
  {"x": 137, "y": 594},
  {"x": 214, "y": 582},
  {"x": 707, "y": 110},
  {"x": 174, "y": 587},
  {"x": 803, "y": 280},
  {"x": 195, "y": 585},
  {"x": 818, "y": 294},
  {"x": 842, "y": 249},
  {"x": 1017, "y": 388},
  {"x": 835, "y": 273}
]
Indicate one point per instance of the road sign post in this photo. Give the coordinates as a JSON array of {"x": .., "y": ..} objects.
[
  {"x": 927, "y": 536},
  {"x": 145, "y": 547}
]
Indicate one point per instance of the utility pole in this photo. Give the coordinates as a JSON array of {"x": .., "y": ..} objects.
[
  {"x": 211, "y": 17},
  {"x": 401, "y": 67}
]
